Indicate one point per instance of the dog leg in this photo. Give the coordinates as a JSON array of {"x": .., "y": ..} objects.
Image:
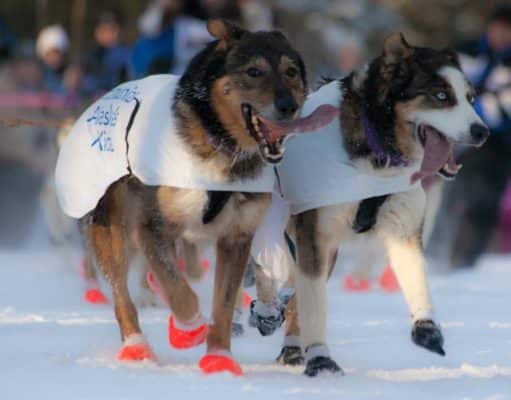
[
  {"x": 291, "y": 353},
  {"x": 191, "y": 256},
  {"x": 314, "y": 265},
  {"x": 146, "y": 298},
  {"x": 111, "y": 250},
  {"x": 266, "y": 313},
  {"x": 409, "y": 267},
  {"x": 93, "y": 293},
  {"x": 402, "y": 239},
  {"x": 187, "y": 326},
  {"x": 237, "y": 327},
  {"x": 232, "y": 257}
]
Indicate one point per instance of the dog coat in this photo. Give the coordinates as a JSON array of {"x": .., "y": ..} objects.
[
  {"x": 316, "y": 170},
  {"x": 131, "y": 129}
]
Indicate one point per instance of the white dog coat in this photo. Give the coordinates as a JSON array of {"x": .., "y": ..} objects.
[
  {"x": 99, "y": 149},
  {"x": 316, "y": 170}
]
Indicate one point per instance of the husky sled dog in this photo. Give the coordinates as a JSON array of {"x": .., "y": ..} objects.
[
  {"x": 400, "y": 117},
  {"x": 231, "y": 111}
]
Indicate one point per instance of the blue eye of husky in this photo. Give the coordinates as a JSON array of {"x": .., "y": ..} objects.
[
  {"x": 254, "y": 72},
  {"x": 442, "y": 96}
]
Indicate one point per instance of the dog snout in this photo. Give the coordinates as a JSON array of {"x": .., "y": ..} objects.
[
  {"x": 479, "y": 133},
  {"x": 286, "y": 106}
]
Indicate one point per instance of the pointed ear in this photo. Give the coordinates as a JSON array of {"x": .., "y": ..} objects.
[
  {"x": 224, "y": 31},
  {"x": 396, "y": 48},
  {"x": 451, "y": 55}
]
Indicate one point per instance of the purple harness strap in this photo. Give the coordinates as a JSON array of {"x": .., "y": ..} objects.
[{"x": 384, "y": 158}]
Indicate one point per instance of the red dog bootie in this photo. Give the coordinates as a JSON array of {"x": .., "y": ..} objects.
[
  {"x": 352, "y": 284},
  {"x": 185, "y": 335},
  {"x": 135, "y": 348},
  {"x": 388, "y": 281},
  {"x": 214, "y": 363},
  {"x": 95, "y": 296},
  {"x": 247, "y": 300}
]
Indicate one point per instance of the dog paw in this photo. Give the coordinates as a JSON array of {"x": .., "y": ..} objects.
[
  {"x": 216, "y": 363},
  {"x": 388, "y": 281},
  {"x": 353, "y": 284},
  {"x": 290, "y": 355},
  {"x": 135, "y": 348},
  {"x": 95, "y": 296},
  {"x": 185, "y": 336},
  {"x": 427, "y": 334},
  {"x": 267, "y": 318},
  {"x": 321, "y": 364},
  {"x": 237, "y": 329}
]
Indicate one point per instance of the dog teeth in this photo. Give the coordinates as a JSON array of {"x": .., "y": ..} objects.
[{"x": 452, "y": 171}]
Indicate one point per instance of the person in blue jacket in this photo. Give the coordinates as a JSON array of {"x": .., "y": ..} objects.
[
  {"x": 6, "y": 42},
  {"x": 474, "y": 198},
  {"x": 107, "y": 64}
]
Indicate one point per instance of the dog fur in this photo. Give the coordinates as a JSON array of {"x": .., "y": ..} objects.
[
  {"x": 398, "y": 91},
  {"x": 260, "y": 69}
]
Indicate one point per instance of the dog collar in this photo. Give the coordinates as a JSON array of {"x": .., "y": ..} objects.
[{"x": 385, "y": 158}]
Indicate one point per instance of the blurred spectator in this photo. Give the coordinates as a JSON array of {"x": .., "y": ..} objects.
[
  {"x": 52, "y": 49},
  {"x": 107, "y": 64},
  {"x": 257, "y": 15},
  {"x": 6, "y": 42},
  {"x": 475, "y": 196},
  {"x": 168, "y": 39},
  {"x": 487, "y": 62}
]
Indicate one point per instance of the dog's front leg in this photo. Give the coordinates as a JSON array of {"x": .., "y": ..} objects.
[
  {"x": 232, "y": 257},
  {"x": 314, "y": 264},
  {"x": 400, "y": 228}
]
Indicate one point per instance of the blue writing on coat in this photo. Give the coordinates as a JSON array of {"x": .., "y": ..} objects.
[
  {"x": 105, "y": 115},
  {"x": 103, "y": 142}
]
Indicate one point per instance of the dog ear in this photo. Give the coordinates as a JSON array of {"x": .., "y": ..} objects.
[
  {"x": 393, "y": 70},
  {"x": 451, "y": 55},
  {"x": 224, "y": 31},
  {"x": 396, "y": 48}
]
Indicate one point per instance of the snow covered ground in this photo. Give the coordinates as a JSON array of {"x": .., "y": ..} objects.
[{"x": 54, "y": 346}]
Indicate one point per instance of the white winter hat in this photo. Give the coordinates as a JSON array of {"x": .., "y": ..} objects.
[{"x": 53, "y": 37}]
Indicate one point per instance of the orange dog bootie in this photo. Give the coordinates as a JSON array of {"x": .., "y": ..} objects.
[
  {"x": 352, "y": 284},
  {"x": 187, "y": 335},
  {"x": 214, "y": 363},
  {"x": 388, "y": 281},
  {"x": 95, "y": 296},
  {"x": 135, "y": 348}
]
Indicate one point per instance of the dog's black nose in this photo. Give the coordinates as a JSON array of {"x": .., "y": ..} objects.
[
  {"x": 286, "y": 105},
  {"x": 479, "y": 133}
]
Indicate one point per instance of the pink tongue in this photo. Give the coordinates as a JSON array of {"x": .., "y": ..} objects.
[
  {"x": 320, "y": 117},
  {"x": 437, "y": 152}
]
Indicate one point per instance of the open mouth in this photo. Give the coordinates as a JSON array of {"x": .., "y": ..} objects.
[
  {"x": 438, "y": 154},
  {"x": 271, "y": 136},
  {"x": 270, "y": 148}
]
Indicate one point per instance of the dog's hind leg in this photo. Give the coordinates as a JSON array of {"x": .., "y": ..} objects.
[
  {"x": 112, "y": 250},
  {"x": 232, "y": 257},
  {"x": 400, "y": 227},
  {"x": 92, "y": 293},
  {"x": 191, "y": 256},
  {"x": 187, "y": 326}
]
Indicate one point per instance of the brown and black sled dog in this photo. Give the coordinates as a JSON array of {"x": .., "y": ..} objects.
[{"x": 223, "y": 106}]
